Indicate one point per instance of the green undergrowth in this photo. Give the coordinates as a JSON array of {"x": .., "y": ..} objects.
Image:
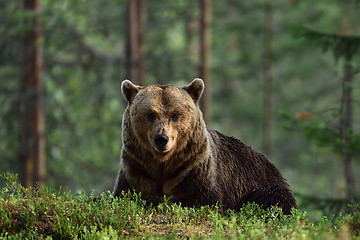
[{"x": 44, "y": 213}]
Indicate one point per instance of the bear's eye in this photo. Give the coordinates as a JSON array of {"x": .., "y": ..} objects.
[
  {"x": 174, "y": 117},
  {"x": 151, "y": 117}
]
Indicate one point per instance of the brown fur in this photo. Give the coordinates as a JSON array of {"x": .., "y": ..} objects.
[{"x": 197, "y": 165}]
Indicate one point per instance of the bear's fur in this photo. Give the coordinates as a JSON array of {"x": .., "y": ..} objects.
[{"x": 168, "y": 150}]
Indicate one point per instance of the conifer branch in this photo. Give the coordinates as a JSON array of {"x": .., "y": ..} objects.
[{"x": 341, "y": 46}]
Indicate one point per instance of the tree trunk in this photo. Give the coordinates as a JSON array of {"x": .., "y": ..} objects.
[
  {"x": 136, "y": 19},
  {"x": 346, "y": 112},
  {"x": 191, "y": 35},
  {"x": 346, "y": 119},
  {"x": 205, "y": 57},
  {"x": 267, "y": 91},
  {"x": 32, "y": 141}
]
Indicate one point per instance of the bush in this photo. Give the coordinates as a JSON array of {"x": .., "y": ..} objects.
[{"x": 39, "y": 213}]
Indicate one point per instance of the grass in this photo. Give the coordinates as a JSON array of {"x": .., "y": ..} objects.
[{"x": 43, "y": 213}]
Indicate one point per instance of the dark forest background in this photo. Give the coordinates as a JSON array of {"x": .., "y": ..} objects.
[{"x": 281, "y": 75}]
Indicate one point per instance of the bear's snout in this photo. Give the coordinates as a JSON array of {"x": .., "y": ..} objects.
[{"x": 160, "y": 141}]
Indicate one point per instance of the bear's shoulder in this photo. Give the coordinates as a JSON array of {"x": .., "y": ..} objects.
[
  {"x": 234, "y": 148},
  {"x": 227, "y": 141}
]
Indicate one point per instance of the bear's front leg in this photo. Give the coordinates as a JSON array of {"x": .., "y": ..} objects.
[
  {"x": 187, "y": 196},
  {"x": 195, "y": 192},
  {"x": 153, "y": 200},
  {"x": 273, "y": 196},
  {"x": 121, "y": 184}
]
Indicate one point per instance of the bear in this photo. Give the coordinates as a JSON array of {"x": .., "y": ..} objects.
[{"x": 168, "y": 150}]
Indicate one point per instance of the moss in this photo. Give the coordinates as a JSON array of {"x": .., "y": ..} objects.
[{"x": 39, "y": 213}]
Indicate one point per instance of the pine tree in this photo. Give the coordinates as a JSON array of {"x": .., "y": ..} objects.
[
  {"x": 135, "y": 45},
  {"x": 32, "y": 140},
  {"x": 205, "y": 67},
  {"x": 343, "y": 47}
]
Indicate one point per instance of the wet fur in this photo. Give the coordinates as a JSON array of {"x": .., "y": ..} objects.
[{"x": 203, "y": 166}]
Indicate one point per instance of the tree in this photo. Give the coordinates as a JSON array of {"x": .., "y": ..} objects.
[
  {"x": 345, "y": 127},
  {"x": 267, "y": 74},
  {"x": 343, "y": 47},
  {"x": 136, "y": 19},
  {"x": 32, "y": 140},
  {"x": 205, "y": 53}
]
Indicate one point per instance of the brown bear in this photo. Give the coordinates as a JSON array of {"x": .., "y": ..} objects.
[{"x": 168, "y": 150}]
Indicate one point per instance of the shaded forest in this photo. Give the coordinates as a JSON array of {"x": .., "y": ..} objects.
[{"x": 282, "y": 76}]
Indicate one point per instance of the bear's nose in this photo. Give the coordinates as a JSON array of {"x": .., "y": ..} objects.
[{"x": 160, "y": 141}]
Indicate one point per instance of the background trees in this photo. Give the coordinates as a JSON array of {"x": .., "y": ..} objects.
[{"x": 84, "y": 61}]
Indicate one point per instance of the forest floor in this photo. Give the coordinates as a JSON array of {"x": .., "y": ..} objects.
[{"x": 43, "y": 213}]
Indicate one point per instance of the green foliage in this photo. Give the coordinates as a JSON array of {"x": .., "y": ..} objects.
[
  {"x": 341, "y": 46},
  {"x": 40, "y": 212},
  {"x": 323, "y": 132},
  {"x": 354, "y": 221},
  {"x": 327, "y": 206},
  {"x": 45, "y": 213}
]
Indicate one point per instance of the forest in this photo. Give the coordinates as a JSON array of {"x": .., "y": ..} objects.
[{"x": 280, "y": 75}]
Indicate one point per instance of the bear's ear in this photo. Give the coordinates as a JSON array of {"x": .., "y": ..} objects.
[
  {"x": 129, "y": 90},
  {"x": 195, "y": 89}
]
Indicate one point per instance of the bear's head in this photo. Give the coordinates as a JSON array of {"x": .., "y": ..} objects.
[{"x": 162, "y": 118}]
